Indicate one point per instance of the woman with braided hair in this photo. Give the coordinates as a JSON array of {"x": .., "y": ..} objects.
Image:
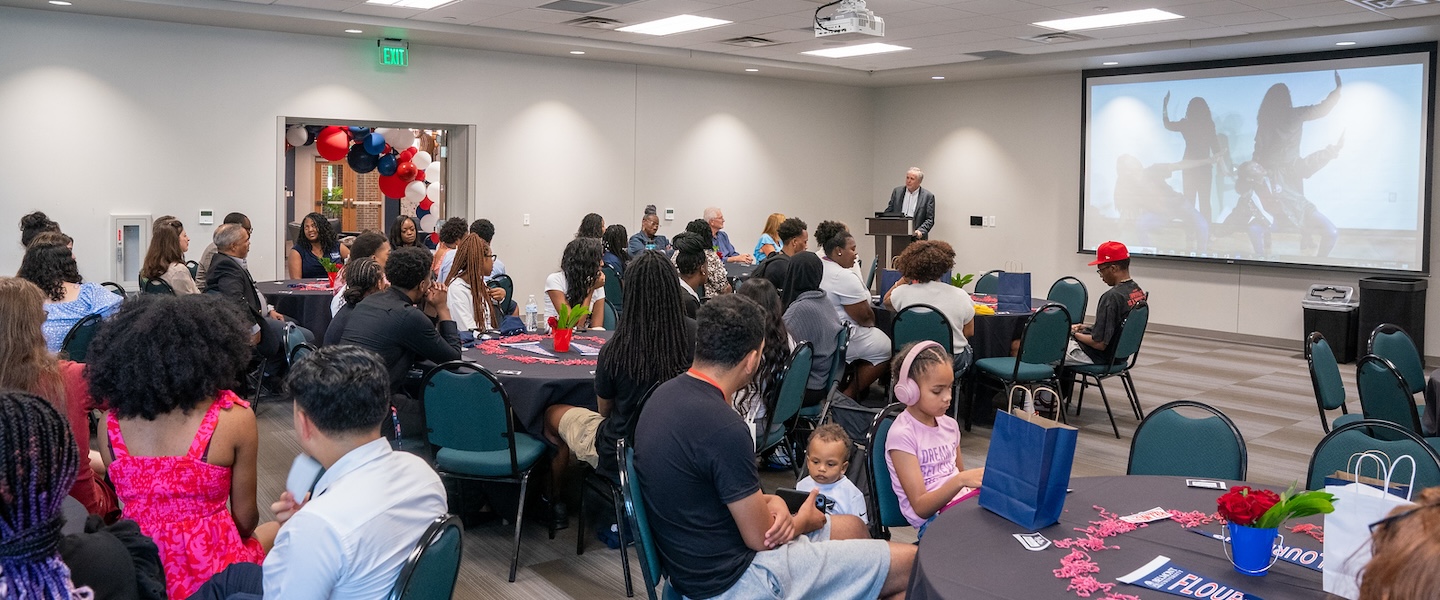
[
  {"x": 716, "y": 278},
  {"x": 475, "y": 312},
  {"x": 363, "y": 276},
  {"x": 38, "y": 462},
  {"x": 750, "y": 400}
]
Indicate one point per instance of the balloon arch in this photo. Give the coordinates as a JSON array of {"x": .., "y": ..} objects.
[{"x": 405, "y": 171}]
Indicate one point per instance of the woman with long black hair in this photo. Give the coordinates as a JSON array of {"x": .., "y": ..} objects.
[
  {"x": 315, "y": 240},
  {"x": 616, "y": 240},
  {"x": 591, "y": 226},
  {"x": 750, "y": 400},
  {"x": 579, "y": 281},
  {"x": 405, "y": 231}
]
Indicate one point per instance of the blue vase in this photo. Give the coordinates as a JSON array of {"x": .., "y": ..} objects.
[{"x": 1252, "y": 549}]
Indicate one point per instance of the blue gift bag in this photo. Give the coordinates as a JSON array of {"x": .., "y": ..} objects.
[
  {"x": 888, "y": 279},
  {"x": 1012, "y": 293},
  {"x": 1027, "y": 469}
]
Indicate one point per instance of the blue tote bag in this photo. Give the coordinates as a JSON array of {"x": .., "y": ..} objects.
[
  {"x": 1027, "y": 469},
  {"x": 1012, "y": 293}
]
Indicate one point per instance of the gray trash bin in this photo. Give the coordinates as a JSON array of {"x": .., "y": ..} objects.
[{"x": 1332, "y": 311}]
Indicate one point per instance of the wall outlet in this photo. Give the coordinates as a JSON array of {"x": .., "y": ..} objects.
[
  {"x": 207, "y": 217},
  {"x": 977, "y": 221},
  {"x": 527, "y": 220},
  {"x": 669, "y": 214},
  {"x": 990, "y": 221}
]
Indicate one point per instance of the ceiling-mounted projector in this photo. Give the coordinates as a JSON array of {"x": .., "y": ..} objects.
[{"x": 850, "y": 18}]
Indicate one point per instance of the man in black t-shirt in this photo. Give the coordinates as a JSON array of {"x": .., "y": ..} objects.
[
  {"x": 1089, "y": 342},
  {"x": 717, "y": 534}
]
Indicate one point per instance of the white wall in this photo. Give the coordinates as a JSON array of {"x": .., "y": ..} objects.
[
  {"x": 1010, "y": 148},
  {"x": 113, "y": 115}
]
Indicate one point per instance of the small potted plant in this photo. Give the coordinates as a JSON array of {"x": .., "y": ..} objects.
[
  {"x": 961, "y": 281},
  {"x": 332, "y": 269},
  {"x": 1253, "y": 518},
  {"x": 565, "y": 323}
]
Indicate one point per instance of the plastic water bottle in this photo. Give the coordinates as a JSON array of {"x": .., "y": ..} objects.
[{"x": 532, "y": 313}]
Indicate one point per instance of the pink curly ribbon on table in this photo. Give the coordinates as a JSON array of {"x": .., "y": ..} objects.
[
  {"x": 1190, "y": 519},
  {"x": 1085, "y": 585},
  {"x": 493, "y": 348},
  {"x": 1120, "y": 597},
  {"x": 1078, "y": 566},
  {"x": 1314, "y": 531},
  {"x": 1075, "y": 564},
  {"x": 1090, "y": 542}
]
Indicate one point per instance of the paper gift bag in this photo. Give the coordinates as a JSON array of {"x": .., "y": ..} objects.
[
  {"x": 1013, "y": 293},
  {"x": 1027, "y": 469},
  {"x": 1347, "y": 530},
  {"x": 888, "y": 279},
  {"x": 1340, "y": 478}
]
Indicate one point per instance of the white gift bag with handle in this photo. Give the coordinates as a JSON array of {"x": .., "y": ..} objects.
[{"x": 1347, "y": 529}]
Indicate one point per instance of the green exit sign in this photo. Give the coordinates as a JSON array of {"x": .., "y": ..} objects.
[{"x": 394, "y": 52}]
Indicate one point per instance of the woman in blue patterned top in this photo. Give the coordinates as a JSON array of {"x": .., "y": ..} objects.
[{"x": 50, "y": 265}]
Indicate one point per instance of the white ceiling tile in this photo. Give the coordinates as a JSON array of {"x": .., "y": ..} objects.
[
  {"x": 1205, "y": 9},
  {"x": 1243, "y": 18},
  {"x": 1317, "y": 10},
  {"x": 335, "y": 5},
  {"x": 1269, "y": 4},
  {"x": 467, "y": 12},
  {"x": 382, "y": 11},
  {"x": 991, "y": 7},
  {"x": 933, "y": 14},
  {"x": 1334, "y": 20},
  {"x": 778, "y": 7}
]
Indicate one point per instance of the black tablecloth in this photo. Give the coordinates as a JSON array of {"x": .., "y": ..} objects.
[
  {"x": 993, "y": 333},
  {"x": 969, "y": 552},
  {"x": 540, "y": 385},
  {"x": 738, "y": 270},
  {"x": 310, "y": 308}
]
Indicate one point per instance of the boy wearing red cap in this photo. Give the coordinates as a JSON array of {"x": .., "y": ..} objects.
[{"x": 1112, "y": 262}]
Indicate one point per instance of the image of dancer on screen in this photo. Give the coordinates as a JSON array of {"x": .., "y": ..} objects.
[
  {"x": 1142, "y": 193},
  {"x": 1201, "y": 143},
  {"x": 1278, "y": 127},
  {"x": 1290, "y": 208}
]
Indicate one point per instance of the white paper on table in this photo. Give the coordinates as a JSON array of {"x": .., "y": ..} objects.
[
  {"x": 531, "y": 347},
  {"x": 585, "y": 350}
]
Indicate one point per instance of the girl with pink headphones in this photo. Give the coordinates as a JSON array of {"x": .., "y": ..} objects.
[{"x": 922, "y": 449}]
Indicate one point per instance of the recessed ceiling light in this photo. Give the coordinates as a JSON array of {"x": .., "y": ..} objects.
[
  {"x": 752, "y": 70},
  {"x": 1344, "y": 43},
  {"x": 354, "y": 31},
  {"x": 860, "y": 50},
  {"x": 675, "y": 24},
  {"x": 1109, "y": 63},
  {"x": 1129, "y": 17},
  {"x": 577, "y": 52},
  {"x": 420, "y": 4},
  {"x": 60, "y": 2},
  {"x": 937, "y": 77}
]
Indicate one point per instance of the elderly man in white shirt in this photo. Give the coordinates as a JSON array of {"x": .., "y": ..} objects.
[{"x": 368, "y": 505}]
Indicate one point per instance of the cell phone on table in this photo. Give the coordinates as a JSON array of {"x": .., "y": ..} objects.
[{"x": 795, "y": 499}]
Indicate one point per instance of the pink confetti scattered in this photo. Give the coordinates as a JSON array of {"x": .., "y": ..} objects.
[
  {"x": 493, "y": 348},
  {"x": 1089, "y": 542},
  {"x": 1075, "y": 564},
  {"x": 1312, "y": 530},
  {"x": 1114, "y": 596},
  {"x": 1190, "y": 519},
  {"x": 1085, "y": 585}
]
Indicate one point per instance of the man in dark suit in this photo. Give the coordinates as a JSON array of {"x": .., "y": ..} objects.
[
  {"x": 227, "y": 275},
  {"x": 916, "y": 202}
]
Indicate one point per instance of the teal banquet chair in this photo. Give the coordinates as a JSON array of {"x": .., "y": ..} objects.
[
  {"x": 1383, "y": 394},
  {"x": 784, "y": 405},
  {"x": 1336, "y": 450},
  {"x": 837, "y": 373},
  {"x": 1119, "y": 359},
  {"x": 1042, "y": 352},
  {"x": 1169, "y": 443},
  {"x": 988, "y": 283},
  {"x": 651, "y": 569},
  {"x": 1393, "y": 344},
  {"x": 884, "y": 506},
  {"x": 614, "y": 291},
  {"x": 471, "y": 426},
  {"x": 922, "y": 322},
  {"x": 430, "y": 571},
  {"x": 1325, "y": 378},
  {"x": 76, "y": 344},
  {"x": 1071, "y": 293}
]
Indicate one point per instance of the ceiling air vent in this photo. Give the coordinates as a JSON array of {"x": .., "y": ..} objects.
[
  {"x": 573, "y": 6},
  {"x": 595, "y": 23},
  {"x": 1063, "y": 37},
  {"x": 749, "y": 41},
  {"x": 1384, "y": 4},
  {"x": 993, "y": 54}
]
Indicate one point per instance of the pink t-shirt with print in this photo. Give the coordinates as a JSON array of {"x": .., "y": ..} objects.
[{"x": 935, "y": 449}]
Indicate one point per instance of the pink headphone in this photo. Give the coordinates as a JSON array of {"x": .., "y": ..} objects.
[{"x": 906, "y": 390}]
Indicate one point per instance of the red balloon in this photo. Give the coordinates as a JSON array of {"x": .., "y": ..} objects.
[
  {"x": 427, "y": 203},
  {"x": 406, "y": 172},
  {"x": 407, "y": 154},
  {"x": 333, "y": 143},
  {"x": 392, "y": 186},
  {"x": 419, "y": 173}
]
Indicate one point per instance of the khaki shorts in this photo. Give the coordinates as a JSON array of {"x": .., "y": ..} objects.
[{"x": 577, "y": 428}]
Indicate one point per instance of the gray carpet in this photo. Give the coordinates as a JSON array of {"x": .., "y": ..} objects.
[{"x": 1266, "y": 391}]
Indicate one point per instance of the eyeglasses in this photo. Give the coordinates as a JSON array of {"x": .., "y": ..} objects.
[
  {"x": 1385, "y": 522},
  {"x": 1101, "y": 268}
]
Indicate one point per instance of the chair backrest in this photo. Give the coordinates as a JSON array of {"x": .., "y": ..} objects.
[
  {"x": 612, "y": 318},
  {"x": 884, "y": 504},
  {"x": 790, "y": 394},
  {"x": 430, "y": 571},
  {"x": 614, "y": 292},
  {"x": 1383, "y": 395},
  {"x": 1132, "y": 333},
  {"x": 115, "y": 288},
  {"x": 920, "y": 322},
  {"x": 1392, "y": 343},
  {"x": 650, "y": 567},
  {"x": 156, "y": 286},
  {"x": 77, "y": 341},
  {"x": 1046, "y": 334},
  {"x": 299, "y": 352},
  {"x": 837, "y": 360},
  {"x": 466, "y": 408},
  {"x": 988, "y": 283},
  {"x": 870, "y": 278},
  {"x": 193, "y": 266},
  {"x": 504, "y": 282},
  {"x": 1324, "y": 376},
  {"x": 293, "y": 338},
  {"x": 1071, "y": 293},
  {"x": 1169, "y": 443},
  {"x": 1335, "y": 450}
]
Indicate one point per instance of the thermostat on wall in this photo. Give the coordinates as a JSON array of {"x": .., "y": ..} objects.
[
  {"x": 669, "y": 214},
  {"x": 207, "y": 217}
]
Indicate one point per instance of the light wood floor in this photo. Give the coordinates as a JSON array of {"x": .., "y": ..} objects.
[{"x": 1265, "y": 391}]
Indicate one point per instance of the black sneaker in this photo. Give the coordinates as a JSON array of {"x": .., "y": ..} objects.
[{"x": 559, "y": 515}]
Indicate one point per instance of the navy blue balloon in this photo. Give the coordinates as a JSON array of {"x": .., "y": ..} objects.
[
  {"x": 360, "y": 160},
  {"x": 374, "y": 143},
  {"x": 387, "y": 164},
  {"x": 358, "y": 132}
]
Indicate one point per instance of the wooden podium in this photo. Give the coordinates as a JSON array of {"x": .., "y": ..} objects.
[{"x": 892, "y": 235}]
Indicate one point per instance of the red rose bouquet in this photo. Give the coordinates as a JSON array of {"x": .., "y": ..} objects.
[{"x": 1265, "y": 509}]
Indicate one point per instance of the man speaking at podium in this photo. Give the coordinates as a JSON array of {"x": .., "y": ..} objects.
[{"x": 916, "y": 202}]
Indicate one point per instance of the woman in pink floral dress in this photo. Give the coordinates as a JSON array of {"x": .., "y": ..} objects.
[{"x": 180, "y": 444}]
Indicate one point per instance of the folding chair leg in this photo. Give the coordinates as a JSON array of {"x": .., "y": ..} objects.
[
  {"x": 1133, "y": 395},
  {"x": 1106, "y": 399},
  {"x": 580, "y": 519},
  {"x": 624, "y": 529},
  {"x": 519, "y": 520},
  {"x": 1080, "y": 399}
]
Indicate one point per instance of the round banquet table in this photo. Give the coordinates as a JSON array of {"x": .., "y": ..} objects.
[
  {"x": 993, "y": 333},
  {"x": 535, "y": 382},
  {"x": 739, "y": 271},
  {"x": 305, "y": 300},
  {"x": 967, "y": 546}
]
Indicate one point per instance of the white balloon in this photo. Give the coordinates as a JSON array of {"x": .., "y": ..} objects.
[
  {"x": 296, "y": 136},
  {"x": 432, "y": 191},
  {"x": 415, "y": 191},
  {"x": 399, "y": 139},
  {"x": 427, "y": 223},
  {"x": 432, "y": 172},
  {"x": 421, "y": 160}
]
